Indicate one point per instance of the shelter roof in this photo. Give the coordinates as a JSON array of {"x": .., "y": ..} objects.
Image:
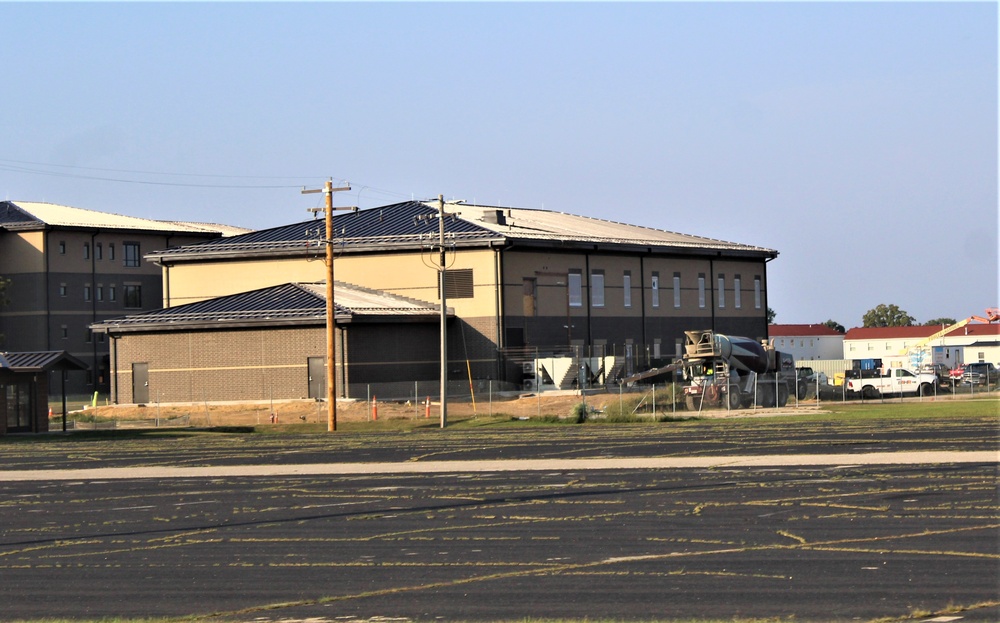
[
  {"x": 802, "y": 330},
  {"x": 35, "y": 215},
  {"x": 41, "y": 361},
  {"x": 414, "y": 224},
  {"x": 290, "y": 303}
]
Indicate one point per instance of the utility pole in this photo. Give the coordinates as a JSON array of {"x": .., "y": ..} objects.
[
  {"x": 442, "y": 268},
  {"x": 331, "y": 310}
]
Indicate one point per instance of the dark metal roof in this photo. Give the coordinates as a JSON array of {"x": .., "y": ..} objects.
[
  {"x": 41, "y": 361},
  {"x": 290, "y": 303},
  {"x": 385, "y": 227}
]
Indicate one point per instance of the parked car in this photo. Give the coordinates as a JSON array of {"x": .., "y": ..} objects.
[{"x": 980, "y": 373}]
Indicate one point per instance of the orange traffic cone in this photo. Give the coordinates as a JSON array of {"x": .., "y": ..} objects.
[{"x": 374, "y": 408}]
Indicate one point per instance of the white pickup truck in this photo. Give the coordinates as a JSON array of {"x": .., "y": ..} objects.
[{"x": 893, "y": 381}]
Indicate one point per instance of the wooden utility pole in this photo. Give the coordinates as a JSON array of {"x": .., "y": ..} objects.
[{"x": 331, "y": 310}]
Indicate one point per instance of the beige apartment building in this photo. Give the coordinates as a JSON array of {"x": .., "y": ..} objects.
[
  {"x": 69, "y": 267},
  {"x": 520, "y": 283}
]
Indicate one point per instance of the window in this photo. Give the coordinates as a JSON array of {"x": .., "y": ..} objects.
[
  {"x": 722, "y": 291},
  {"x": 597, "y": 288},
  {"x": 701, "y": 290},
  {"x": 133, "y": 296},
  {"x": 111, "y": 292},
  {"x": 62, "y": 247},
  {"x": 132, "y": 256},
  {"x": 574, "y": 284},
  {"x": 627, "y": 287},
  {"x": 86, "y": 250},
  {"x": 737, "y": 293},
  {"x": 98, "y": 251},
  {"x": 100, "y": 293},
  {"x": 65, "y": 332},
  {"x": 756, "y": 292},
  {"x": 111, "y": 251},
  {"x": 62, "y": 289},
  {"x": 655, "y": 286},
  {"x": 677, "y": 290},
  {"x": 86, "y": 292},
  {"x": 530, "y": 300}
]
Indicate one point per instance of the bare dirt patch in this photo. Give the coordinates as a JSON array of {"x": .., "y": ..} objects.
[{"x": 289, "y": 412}]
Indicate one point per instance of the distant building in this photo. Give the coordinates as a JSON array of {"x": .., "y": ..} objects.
[
  {"x": 69, "y": 267},
  {"x": 807, "y": 341},
  {"x": 909, "y": 346}
]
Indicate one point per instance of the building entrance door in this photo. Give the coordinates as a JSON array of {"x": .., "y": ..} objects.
[
  {"x": 140, "y": 383},
  {"x": 317, "y": 378}
]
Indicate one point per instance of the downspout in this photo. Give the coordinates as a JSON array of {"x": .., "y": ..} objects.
[
  {"x": 642, "y": 297},
  {"x": 711, "y": 290},
  {"x": 586, "y": 263},
  {"x": 93, "y": 308},
  {"x": 498, "y": 311},
  {"x": 48, "y": 304}
]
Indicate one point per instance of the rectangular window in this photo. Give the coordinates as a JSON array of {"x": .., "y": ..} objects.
[
  {"x": 530, "y": 300},
  {"x": 62, "y": 289},
  {"x": 722, "y": 291},
  {"x": 677, "y": 290},
  {"x": 86, "y": 292},
  {"x": 65, "y": 332},
  {"x": 701, "y": 290},
  {"x": 574, "y": 284},
  {"x": 737, "y": 293},
  {"x": 133, "y": 296},
  {"x": 457, "y": 284},
  {"x": 756, "y": 292},
  {"x": 597, "y": 288},
  {"x": 655, "y": 289},
  {"x": 86, "y": 250},
  {"x": 627, "y": 287},
  {"x": 98, "y": 251},
  {"x": 132, "y": 255},
  {"x": 111, "y": 251},
  {"x": 100, "y": 293},
  {"x": 111, "y": 292},
  {"x": 62, "y": 247}
]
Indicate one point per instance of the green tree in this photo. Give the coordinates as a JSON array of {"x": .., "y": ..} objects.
[
  {"x": 939, "y": 321},
  {"x": 836, "y": 326},
  {"x": 887, "y": 316},
  {"x": 771, "y": 314}
]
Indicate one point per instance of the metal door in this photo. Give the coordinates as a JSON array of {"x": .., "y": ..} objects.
[
  {"x": 140, "y": 383},
  {"x": 317, "y": 378}
]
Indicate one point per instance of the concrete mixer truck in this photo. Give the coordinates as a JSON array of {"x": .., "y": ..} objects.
[{"x": 734, "y": 372}]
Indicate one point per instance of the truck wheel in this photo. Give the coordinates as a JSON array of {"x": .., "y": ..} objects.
[
  {"x": 691, "y": 403},
  {"x": 926, "y": 389},
  {"x": 801, "y": 393},
  {"x": 782, "y": 395},
  {"x": 734, "y": 399},
  {"x": 765, "y": 395},
  {"x": 869, "y": 392}
]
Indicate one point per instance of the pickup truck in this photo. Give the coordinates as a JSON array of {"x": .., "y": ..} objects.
[
  {"x": 893, "y": 381},
  {"x": 979, "y": 373}
]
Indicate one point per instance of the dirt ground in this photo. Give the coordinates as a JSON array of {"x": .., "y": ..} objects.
[{"x": 289, "y": 412}]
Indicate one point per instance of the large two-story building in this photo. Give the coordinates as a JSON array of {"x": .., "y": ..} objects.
[{"x": 521, "y": 284}]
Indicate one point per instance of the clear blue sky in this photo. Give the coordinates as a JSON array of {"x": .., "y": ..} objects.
[{"x": 857, "y": 139}]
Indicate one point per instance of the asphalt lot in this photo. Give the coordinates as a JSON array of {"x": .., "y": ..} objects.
[{"x": 838, "y": 541}]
